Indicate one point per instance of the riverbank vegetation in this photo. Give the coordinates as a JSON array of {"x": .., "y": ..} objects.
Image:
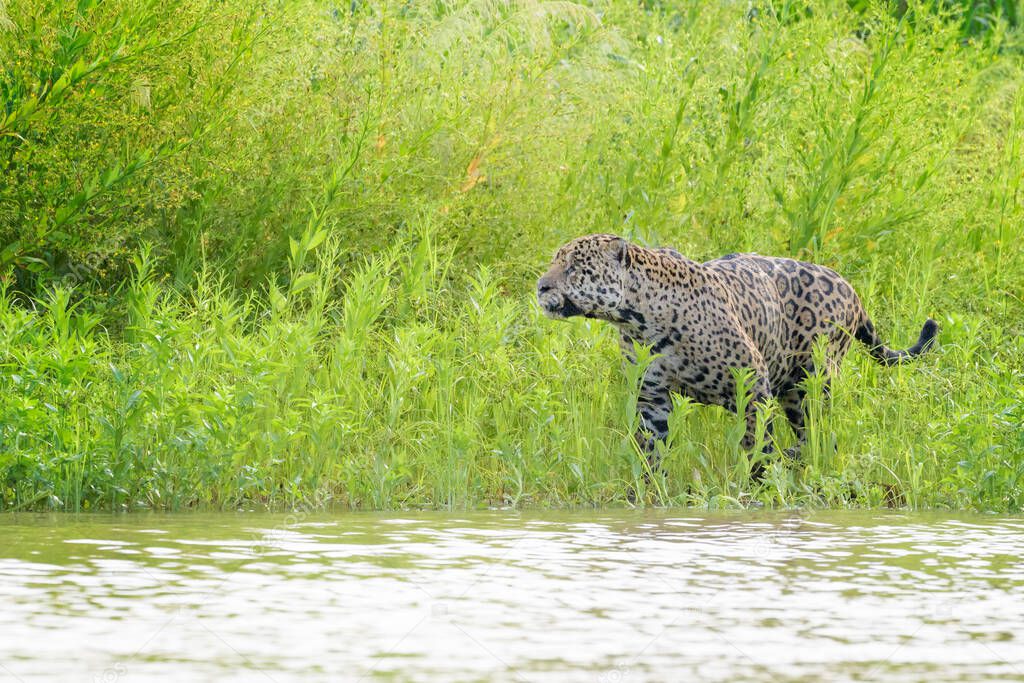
[{"x": 283, "y": 253}]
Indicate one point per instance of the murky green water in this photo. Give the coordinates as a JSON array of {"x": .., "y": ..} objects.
[{"x": 597, "y": 596}]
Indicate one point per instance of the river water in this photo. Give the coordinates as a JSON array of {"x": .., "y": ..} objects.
[{"x": 596, "y": 596}]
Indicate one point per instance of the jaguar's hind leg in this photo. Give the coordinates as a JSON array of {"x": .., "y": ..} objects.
[{"x": 794, "y": 405}]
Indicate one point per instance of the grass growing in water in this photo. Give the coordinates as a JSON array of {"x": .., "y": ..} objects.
[{"x": 347, "y": 214}]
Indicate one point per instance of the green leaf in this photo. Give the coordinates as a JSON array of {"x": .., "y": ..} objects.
[
  {"x": 10, "y": 252},
  {"x": 316, "y": 240},
  {"x": 302, "y": 282}
]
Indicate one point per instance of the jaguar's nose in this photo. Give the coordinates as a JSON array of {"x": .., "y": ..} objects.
[{"x": 544, "y": 285}]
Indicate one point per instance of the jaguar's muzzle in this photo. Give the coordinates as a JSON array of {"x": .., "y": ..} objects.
[{"x": 554, "y": 303}]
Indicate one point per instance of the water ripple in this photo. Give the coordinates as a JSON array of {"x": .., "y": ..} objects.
[{"x": 588, "y": 596}]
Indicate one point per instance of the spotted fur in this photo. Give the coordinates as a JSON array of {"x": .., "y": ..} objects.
[{"x": 705, "y": 319}]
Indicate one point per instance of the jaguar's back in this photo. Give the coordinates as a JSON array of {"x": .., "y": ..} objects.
[{"x": 784, "y": 305}]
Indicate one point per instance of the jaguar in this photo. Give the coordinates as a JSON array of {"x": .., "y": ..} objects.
[{"x": 703, "y": 321}]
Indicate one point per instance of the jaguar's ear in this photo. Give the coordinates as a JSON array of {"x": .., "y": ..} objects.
[{"x": 619, "y": 250}]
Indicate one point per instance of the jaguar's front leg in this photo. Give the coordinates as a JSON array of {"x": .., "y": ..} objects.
[{"x": 653, "y": 406}]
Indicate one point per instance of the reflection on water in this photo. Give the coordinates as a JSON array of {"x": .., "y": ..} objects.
[{"x": 589, "y": 596}]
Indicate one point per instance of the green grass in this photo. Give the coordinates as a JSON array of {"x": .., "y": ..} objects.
[{"x": 286, "y": 256}]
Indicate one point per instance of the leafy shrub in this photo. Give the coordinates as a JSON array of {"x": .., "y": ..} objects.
[{"x": 285, "y": 252}]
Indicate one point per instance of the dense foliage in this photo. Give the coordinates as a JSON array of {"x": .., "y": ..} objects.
[{"x": 284, "y": 252}]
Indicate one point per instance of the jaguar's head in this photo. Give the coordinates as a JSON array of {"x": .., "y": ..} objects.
[{"x": 586, "y": 277}]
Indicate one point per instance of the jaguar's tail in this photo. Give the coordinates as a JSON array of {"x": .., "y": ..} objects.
[{"x": 880, "y": 352}]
